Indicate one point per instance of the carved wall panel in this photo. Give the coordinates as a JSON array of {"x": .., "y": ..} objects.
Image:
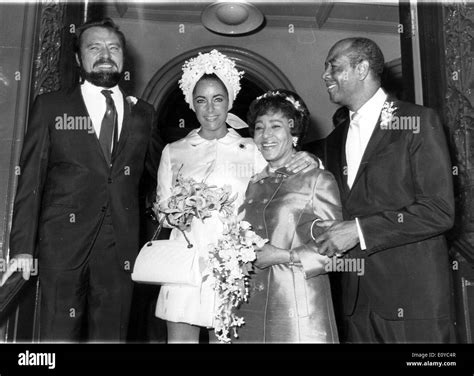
[
  {"x": 459, "y": 59},
  {"x": 47, "y": 70}
]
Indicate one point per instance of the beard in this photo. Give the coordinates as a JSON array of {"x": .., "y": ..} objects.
[{"x": 101, "y": 78}]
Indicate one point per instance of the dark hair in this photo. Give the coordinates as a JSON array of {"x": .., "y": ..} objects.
[
  {"x": 365, "y": 49},
  {"x": 212, "y": 77},
  {"x": 275, "y": 101},
  {"x": 106, "y": 23}
]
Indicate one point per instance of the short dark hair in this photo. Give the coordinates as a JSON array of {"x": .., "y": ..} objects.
[
  {"x": 365, "y": 49},
  {"x": 281, "y": 100},
  {"x": 106, "y": 23}
]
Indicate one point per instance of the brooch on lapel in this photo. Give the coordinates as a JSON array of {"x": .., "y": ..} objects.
[
  {"x": 387, "y": 114},
  {"x": 132, "y": 101}
]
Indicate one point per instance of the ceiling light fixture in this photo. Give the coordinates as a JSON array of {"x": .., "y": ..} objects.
[{"x": 232, "y": 17}]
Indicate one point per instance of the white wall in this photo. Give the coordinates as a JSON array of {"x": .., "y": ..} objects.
[{"x": 299, "y": 55}]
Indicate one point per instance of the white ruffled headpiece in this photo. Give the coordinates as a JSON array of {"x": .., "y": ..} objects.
[{"x": 212, "y": 62}]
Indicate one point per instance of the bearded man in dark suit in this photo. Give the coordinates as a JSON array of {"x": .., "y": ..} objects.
[
  {"x": 77, "y": 202},
  {"x": 391, "y": 161}
]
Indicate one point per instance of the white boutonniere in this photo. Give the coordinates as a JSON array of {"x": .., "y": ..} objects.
[
  {"x": 132, "y": 101},
  {"x": 387, "y": 115}
]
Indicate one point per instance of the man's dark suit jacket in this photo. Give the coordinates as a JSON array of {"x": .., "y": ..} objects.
[
  {"x": 403, "y": 197},
  {"x": 66, "y": 184}
]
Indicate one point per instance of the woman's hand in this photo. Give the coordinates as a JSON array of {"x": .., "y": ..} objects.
[
  {"x": 302, "y": 162},
  {"x": 270, "y": 255},
  {"x": 183, "y": 223}
]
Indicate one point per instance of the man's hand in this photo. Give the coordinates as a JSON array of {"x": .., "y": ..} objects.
[
  {"x": 23, "y": 262},
  {"x": 302, "y": 161},
  {"x": 339, "y": 237}
]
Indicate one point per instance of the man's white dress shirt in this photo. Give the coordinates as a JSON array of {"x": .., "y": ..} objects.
[
  {"x": 95, "y": 104},
  {"x": 360, "y": 130}
]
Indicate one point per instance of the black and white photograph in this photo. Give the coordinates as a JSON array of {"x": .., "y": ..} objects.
[{"x": 285, "y": 176}]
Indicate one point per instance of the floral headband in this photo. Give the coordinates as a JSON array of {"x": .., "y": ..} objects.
[
  {"x": 212, "y": 62},
  {"x": 296, "y": 104}
]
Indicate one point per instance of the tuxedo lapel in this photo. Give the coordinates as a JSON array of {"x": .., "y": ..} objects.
[
  {"x": 79, "y": 107},
  {"x": 338, "y": 152}
]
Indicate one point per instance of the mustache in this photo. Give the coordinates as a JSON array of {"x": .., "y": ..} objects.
[{"x": 105, "y": 61}]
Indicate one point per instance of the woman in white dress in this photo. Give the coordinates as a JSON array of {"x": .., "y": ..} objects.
[{"x": 210, "y": 83}]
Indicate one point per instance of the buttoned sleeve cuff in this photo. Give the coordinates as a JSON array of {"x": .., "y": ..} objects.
[{"x": 361, "y": 236}]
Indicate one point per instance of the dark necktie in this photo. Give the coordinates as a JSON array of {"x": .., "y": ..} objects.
[{"x": 109, "y": 128}]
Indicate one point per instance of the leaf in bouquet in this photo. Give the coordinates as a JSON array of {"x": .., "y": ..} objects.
[
  {"x": 232, "y": 199},
  {"x": 227, "y": 211},
  {"x": 223, "y": 195}
]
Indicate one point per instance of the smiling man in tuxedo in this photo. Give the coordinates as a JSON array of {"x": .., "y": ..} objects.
[
  {"x": 77, "y": 202},
  {"x": 392, "y": 165}
]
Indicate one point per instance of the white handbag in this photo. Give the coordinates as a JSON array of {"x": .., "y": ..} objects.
[{"x": 166, "y": 262}]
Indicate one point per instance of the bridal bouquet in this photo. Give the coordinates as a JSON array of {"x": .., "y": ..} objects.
[
  {"x": 190, "y": 199},
  {"x": 230, "y": 261}
]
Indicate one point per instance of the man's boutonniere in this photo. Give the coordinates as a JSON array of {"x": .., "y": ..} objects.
[
  {"x": 132, "y": 101},
  {"x": 386, "y": 117}
]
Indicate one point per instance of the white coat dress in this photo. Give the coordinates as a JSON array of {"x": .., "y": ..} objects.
[{"x": 230, "y": 160}]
